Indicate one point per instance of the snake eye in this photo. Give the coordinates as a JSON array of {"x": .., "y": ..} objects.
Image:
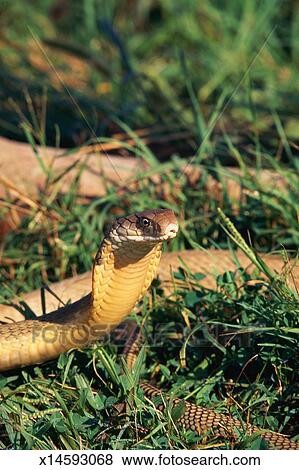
[{"x": 145, "y": 222}]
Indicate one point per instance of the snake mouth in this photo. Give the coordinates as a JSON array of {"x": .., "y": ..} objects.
[
  {"x": 146, "y": 238},
  {"x": 170, "y": 232}
]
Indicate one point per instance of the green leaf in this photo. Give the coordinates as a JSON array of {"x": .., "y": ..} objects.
[{"x": 178, "y": 411}]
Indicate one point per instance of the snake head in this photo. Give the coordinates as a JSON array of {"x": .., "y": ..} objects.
[{"x": 151, "y": 226}]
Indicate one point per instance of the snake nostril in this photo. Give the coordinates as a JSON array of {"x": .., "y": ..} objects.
[{"x": 172, "y": 229}]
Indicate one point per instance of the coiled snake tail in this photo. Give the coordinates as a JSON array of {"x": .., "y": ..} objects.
[{"x": 203, "y": 421}]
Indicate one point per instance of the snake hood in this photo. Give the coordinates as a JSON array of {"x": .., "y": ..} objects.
[
  {"x": 123, "y": 270},
  {"x": 151, "y": 226}
]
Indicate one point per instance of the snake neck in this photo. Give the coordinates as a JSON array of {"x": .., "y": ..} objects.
[{"x": 121, "y": 276}]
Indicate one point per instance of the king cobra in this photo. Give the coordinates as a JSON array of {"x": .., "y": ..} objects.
[{"x": 123, "y": 270}]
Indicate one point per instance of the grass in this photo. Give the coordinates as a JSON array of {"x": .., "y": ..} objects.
[{"x": 233, "y": 349}]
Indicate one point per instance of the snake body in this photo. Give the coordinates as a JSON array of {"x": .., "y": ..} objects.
[
  {"x": 123, "y": 270},
  {"x": 207, "y": 422}
]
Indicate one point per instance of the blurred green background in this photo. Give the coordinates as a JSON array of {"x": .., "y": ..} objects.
[{"x": 206, "y": 67}]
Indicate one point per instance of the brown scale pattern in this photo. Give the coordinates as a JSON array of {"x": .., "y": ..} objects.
[
  {"x": 197, "y": 418},
  {"x": 133, "y": 344},
  {"x": 203, "y": 420}
]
